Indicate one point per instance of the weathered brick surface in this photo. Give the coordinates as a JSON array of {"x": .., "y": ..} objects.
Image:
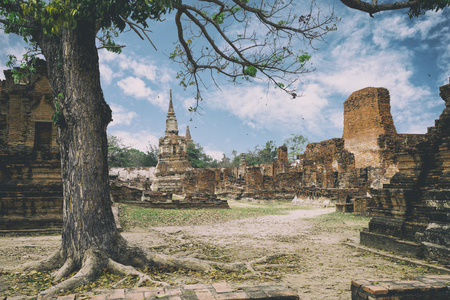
[
  {"x": 219, "y": 291},
  {"x": 30, "y": 174},
  {"x": 421, "y": 288},
  {"x": 411, "y": 213},
  {"x": 173, "y": 161},
  {"x": 367, "y": 115}
]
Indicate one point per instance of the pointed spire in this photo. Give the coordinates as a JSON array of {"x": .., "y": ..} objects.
[
  {"x": 171, "y": 111},
  {"x": 188, "y": 133},
  {"x": 188, "y": 136},
  {"x": 171, "y": 121}
]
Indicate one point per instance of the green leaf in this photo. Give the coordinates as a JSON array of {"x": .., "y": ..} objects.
[{"x": 250, "y": 71}]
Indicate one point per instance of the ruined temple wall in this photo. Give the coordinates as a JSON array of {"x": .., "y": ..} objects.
[
  {"x": 31, "y": 193},
  {"x": 328, "y": 165},
  {"x": 414, "y": 206},
  {"x": 254, "y": 179},
  {"x": 199, "y": 181},
  {"x": 366, "y": 116},
  {"x": 27, "y": 107}
]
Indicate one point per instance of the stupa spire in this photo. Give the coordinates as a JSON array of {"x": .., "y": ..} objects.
[
  {"x": 171, "y": 111},
  {"x": 171, "y": 121},
  {"x": 188, "y": 136}
]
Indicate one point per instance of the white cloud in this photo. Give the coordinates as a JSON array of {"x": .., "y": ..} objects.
[
  {"x": 145, "y": 68},
  {"x": 121, "y": 116},
  {"x": 135, "y": 87},
  {"x": 399, "y": 27},
  {"x": 218, "y": 155},
  {"x": 106, "y": 56},
  {"x": 260, "y": 108},
  {"x": 107, "y": 74},
  {"x": 138, "y": 140}
]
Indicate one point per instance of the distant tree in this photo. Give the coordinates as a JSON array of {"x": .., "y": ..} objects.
[
  {"x": 296, "y": 145},
  {"x": 117, "y": 156},
  {"x": 236, "y": 159},
  {"x": 151, "y": 156},
  {"x": 416, "y": 7},
  {"x": 240, "y": 39},
  {"x": 198, "y": 158},
  {"x": 120, "y": 155},
  {"x": 265, "y": 155}
]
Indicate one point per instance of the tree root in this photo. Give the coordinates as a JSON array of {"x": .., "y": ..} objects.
[
  {"x": 90, "y": 269},
  {"x": 68, "y": 267},
  {"x": 52, "y": 262},
  {"x": 116, "y": 267},
  {"x": 127, "y": 260}
]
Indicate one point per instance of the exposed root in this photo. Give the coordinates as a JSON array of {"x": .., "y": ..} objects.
[
  {"x": 126, "y": 260},
  {"x": 91, "y": 267},
  {"x": 68, "y": 267},
  {"x": 47, "y": 264},
  {"x": 114, "y": 266}
]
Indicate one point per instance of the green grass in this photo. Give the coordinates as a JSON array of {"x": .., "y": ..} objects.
[
  {"x": 336, "y": 221},
  {"x": 134, "y": 216}
]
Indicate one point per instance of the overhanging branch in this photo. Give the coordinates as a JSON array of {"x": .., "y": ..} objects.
[{"x": 374, "y": 7}]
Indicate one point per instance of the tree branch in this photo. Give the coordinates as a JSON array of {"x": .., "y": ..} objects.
[{"x": 374, "y": 7}]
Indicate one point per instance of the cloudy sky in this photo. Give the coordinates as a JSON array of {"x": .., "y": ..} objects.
[{"x": 411, "y": 58}]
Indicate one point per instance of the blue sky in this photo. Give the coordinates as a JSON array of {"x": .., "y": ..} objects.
[{"x": 411, "y": 58}]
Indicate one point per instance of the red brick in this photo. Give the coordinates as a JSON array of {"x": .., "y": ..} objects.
[{"x": 375, "y": 290}]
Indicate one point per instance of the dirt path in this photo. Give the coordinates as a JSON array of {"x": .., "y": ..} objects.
[{"x": 322, "y": 268}]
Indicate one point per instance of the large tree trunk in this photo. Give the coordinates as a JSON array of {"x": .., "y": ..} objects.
[
  {"x": 88, "y": 218},
  {"x": 74, "y": 74}
]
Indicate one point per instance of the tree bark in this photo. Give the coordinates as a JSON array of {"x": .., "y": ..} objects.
[{"x": 73, "y": 70}]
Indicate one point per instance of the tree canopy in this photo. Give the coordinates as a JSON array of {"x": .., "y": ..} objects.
[
  {"x": 415, "y": 8},
  {"x": 120, "y": 155},
  {"x": 198, "y": 158},
  {"x": 206, "y": 44},
  {"x": 296, "y": 145}
]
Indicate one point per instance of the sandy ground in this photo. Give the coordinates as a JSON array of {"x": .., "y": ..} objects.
[{"x": 323, "y": 269}]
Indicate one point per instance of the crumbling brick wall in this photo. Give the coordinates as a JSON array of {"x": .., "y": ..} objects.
[
  {"x": 414, "y": 206},
  {"x": 328, "y": 165},
  {"x": 367, "y": 115},
  {"x": 30, "y": 169}
]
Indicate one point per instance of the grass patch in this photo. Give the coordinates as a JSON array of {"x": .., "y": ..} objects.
[
  {"x": 338, "y": 221},
  {"x": 134, "y": 216}
]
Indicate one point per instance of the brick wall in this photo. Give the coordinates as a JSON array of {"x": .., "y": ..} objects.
[
  {"x": 30, "y": 174},
  {"x": 366, "y": 116}
]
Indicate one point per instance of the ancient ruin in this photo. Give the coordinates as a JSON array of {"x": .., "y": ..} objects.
[
  {"x": 412, "y": 212},
  {"x": 402, "y": 180},
  {"x": 30, "y": 170},
  {"x": 173, "y": 164}
]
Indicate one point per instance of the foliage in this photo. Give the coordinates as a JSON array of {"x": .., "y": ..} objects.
[
  {"x": 198, "y": 158},
  {"x": 120, "y": 155},
  {"x": 259, "y": 155},
  {"x": 296, "y": 145}
]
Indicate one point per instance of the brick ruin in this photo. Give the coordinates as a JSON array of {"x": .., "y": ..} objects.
[
  {"x": 402, "y": 180},
  {"x": 173, "y": 164},
  {"x": 412, "y": 212},
  {"x": 30, "y": 174}
]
